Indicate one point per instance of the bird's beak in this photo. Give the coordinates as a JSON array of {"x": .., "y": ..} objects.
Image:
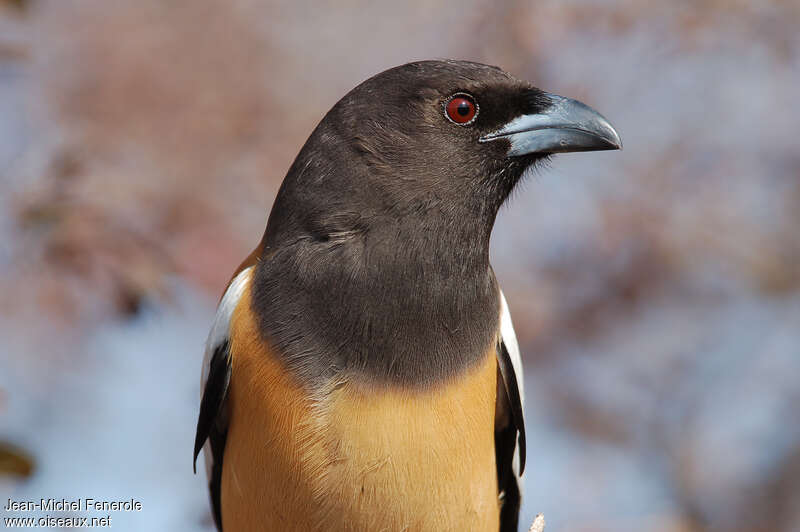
[{"x": 567, "y": 125}]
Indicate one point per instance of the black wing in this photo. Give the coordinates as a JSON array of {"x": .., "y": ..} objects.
[
  {"x": 509, "y": 425},
  {"x": 212, "y": 424}
]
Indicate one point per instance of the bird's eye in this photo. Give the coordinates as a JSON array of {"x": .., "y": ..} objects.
[{"x": 461, "y": 109}]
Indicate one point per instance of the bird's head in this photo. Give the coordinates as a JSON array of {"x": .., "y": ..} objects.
[
  {"x": 389, "y": 207},
  {"x": 435, "y": 142}
]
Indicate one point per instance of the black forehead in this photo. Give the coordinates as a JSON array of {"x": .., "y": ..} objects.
[{"x": 424, "y": 78}]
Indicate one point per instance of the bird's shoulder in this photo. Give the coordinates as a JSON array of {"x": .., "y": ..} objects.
[{"x": 509, "y": 422}]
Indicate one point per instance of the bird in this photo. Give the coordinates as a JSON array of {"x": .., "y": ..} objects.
[{"x": 362, "y": 372}]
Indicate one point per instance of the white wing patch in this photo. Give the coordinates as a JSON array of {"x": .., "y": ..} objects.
[
  {"x": 509, "y": 338},
  {"x": 222, "y": 321},
  {"x": 220, "y": 332}
]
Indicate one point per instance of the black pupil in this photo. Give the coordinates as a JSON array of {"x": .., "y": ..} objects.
[{"x": 463, "y": 108}]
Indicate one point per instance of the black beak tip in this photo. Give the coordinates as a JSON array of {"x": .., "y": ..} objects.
[{"x": 612, "y": 142}]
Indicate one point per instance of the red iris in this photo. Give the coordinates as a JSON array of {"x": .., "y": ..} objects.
[{"x": 461, "y": 109}]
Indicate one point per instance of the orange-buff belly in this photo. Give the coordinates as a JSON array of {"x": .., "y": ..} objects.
[{"x": 355, "y": 458}]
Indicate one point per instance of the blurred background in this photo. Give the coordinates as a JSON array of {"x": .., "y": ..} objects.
[{"x": 655, "y": 291}]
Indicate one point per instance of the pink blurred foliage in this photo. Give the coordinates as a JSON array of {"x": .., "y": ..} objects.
[{"x": 169, "y": 126}]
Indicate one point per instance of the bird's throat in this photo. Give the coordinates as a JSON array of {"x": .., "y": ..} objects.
[{"x": 408, "y": 310}]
